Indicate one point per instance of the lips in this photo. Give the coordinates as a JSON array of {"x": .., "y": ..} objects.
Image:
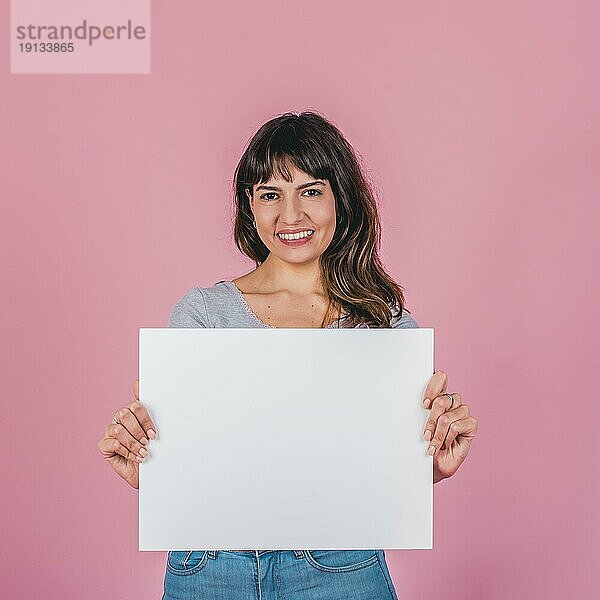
[
  {"x": 295, "y": 230},
  {"x": 301, "y": 241}
]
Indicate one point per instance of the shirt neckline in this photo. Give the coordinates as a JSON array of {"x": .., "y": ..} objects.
[{"x": 240, "y": 296}]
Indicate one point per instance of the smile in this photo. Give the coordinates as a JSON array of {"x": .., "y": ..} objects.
[{"x": 296, "y": 236}]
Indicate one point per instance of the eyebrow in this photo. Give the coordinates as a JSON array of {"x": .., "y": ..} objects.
[{"x": 300, "y": 187}]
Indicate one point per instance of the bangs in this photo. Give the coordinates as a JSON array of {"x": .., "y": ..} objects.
[{"x": 290, "y": 143}]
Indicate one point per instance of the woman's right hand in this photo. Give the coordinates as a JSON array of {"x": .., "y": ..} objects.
[{"x": 124, "y": 444}]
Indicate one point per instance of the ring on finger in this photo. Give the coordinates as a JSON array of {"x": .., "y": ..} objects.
[{"x": 451, "y": 398}]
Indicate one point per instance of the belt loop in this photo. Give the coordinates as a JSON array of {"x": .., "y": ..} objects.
[
  {"x": 212, "y": 553},
  {"x": 299, "y": 553}
]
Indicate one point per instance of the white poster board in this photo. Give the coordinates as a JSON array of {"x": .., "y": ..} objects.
[{"x": 286, "y": 439}]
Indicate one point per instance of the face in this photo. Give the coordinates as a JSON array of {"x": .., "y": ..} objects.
[{"x": 305, "y": 206}]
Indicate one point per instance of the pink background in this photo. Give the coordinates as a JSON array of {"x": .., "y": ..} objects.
[{"x": 479, "y": 124}]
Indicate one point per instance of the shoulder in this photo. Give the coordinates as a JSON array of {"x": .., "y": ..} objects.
[
  {"x": 402, "y": 321},
  {"x": 197, "y": 307},
  {"x": 190, "y": 310}
]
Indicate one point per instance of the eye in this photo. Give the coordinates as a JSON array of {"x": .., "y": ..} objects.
[
  {"x": 318, "y": 193},
  {"x": 264, "y": 196}
]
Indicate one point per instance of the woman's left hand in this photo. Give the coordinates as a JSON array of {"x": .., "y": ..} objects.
[{"x": 450, "y": 426}]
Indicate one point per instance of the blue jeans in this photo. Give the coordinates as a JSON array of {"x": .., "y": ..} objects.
[{"x": 277, "y": 575}]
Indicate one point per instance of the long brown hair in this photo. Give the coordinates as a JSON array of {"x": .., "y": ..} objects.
[{"x": 351, "y": 271}]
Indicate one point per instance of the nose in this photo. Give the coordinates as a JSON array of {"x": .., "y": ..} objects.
[{"x": 291, "y": 212}]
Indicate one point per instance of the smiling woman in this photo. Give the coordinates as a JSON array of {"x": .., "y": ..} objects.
[
  {"x": 299, "y": 176},
  {"x": 306, "y": 215}
]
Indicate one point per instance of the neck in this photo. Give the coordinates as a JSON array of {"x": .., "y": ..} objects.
[{"x": 275, "y": 274}]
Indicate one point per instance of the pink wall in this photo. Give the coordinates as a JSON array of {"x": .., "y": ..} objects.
[{"x": 479, "y": 123}]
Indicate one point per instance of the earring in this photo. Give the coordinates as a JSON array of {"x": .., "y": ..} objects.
[{"x": 254, "y": 223}]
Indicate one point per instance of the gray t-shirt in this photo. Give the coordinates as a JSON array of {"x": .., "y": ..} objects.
[{"x": 224, "y": 305}]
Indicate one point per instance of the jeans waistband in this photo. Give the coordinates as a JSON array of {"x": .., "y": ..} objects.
[{"x": 298, "y": 553}]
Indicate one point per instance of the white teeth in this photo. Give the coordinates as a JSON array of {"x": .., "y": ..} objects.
[{"x": 296, "y": 236}]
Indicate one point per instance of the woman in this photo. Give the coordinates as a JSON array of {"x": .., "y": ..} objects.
[{"x": 306, "y": 215}]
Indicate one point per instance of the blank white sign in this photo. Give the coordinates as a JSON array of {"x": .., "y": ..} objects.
[{"x": 279, "y": 439}]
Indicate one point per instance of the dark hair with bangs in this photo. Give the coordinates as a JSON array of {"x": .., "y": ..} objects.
[{"x": 351, "y": 271}]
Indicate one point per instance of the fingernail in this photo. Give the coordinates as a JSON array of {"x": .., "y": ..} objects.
[
  {"x": 139, "y": 458},
  {"x": 151, "y": 434},
  {"x": 431, "y": 450},
  {"x": 144, "y": 440},
  {"x": 427, "y": 435},
  {"x": 143, "y": 451},
  {"x": 426, "y": 402}
]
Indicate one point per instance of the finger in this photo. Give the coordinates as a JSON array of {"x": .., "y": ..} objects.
[
  {"x": 119, "y": 432},
  {"x": 455, "y": 429},
  {"x": 109, "y": 446},
  {"x": 127, "y": 418},
  {"x": 440, "y": 405},
  {"x": 437, "y": 384},
  {"x": 466, "y": 427},
  {"x": 443, "y": 425},
  {"x": 136, "y": 389},
  {"x": 141, "y": 414}
]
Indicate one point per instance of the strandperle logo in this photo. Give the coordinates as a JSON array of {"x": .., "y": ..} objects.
[
  {"x": 80, "y": 36},
  {"x": 90, "y": 33}
]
